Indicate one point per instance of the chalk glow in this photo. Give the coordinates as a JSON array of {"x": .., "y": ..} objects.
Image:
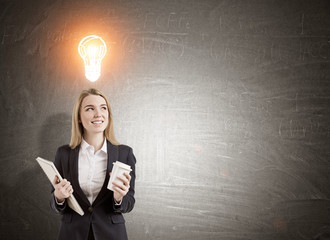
[{"x": 92, "y": 49}]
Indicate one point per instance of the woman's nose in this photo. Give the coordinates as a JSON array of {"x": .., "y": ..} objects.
[{"x": 97, "y": 113}]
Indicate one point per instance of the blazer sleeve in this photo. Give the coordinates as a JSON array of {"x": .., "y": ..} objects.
[
  {"x": 60, "y": 209},
  {"x": 128, "y": 200}
]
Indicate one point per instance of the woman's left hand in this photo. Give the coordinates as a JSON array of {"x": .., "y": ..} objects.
[{"x": 121, "y": 187}]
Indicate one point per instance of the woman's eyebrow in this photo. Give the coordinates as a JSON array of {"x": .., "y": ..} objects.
[{"x": 89, "y": 105}]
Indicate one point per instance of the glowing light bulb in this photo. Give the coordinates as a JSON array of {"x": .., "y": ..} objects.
[{"x": 92, "y": 49}]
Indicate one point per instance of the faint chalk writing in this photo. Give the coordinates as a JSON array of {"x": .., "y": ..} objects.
[
  {"x": 166, "y": 45},
  {"x": 230, "y": 24},
  {"x": 224, "y": 51},
  {"x": 10, "y": 34},
  {"x": 302, "y": 24},
  {"x": 308, "y": 129},
  {"x": 319, "y": 49},
  {"x": 172, "y": 20}
]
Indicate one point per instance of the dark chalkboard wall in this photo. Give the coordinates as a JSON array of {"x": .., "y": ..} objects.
[{"x": 225, "y": 103}]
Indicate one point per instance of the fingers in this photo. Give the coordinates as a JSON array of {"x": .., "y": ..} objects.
[
  {"x": 120, "y": 190},
  {"x": 65, "y": 184},
  {"x": 124, "y": 182},
  {"x": 56, "y": 180},
  {"x": 125, "y": 179},
  {"x": 66, "y": 188},
  {"x": 63, "y": 189},
  {"x": 128, "y": 176},
  {"x": 121, "y": 187},
  {"x": 118, "y": 193}
]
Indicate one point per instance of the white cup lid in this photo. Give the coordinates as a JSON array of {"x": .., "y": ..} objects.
[{"x": 123, "y": 165}]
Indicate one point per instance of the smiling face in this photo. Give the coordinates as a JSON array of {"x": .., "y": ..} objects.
[{"x": 94, "y": 114}]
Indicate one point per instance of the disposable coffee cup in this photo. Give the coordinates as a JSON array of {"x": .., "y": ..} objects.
[{"x": 118, "y": 169}]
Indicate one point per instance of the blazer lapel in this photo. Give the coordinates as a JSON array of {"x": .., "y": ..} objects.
[
  {"x": 73, "y": 162},
  {"x": 112, "y": 152}
]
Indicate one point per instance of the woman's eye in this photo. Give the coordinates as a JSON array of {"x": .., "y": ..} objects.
[
  {"x": 89, "y": 109},
  {"x": 104, "y": 108}
]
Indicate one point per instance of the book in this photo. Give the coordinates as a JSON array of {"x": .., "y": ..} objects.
[{"x": 51, "y": 171}]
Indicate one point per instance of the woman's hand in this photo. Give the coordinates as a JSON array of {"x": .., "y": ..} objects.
[
  {"x": 63, "y": 189},
  {"x": 121, "y": 187}
]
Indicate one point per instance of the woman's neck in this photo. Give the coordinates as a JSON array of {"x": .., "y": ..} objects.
[{"x": 95, "y": 140}]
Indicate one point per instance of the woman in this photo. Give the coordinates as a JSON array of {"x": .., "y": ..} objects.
[{"x": 85, "y": 165}]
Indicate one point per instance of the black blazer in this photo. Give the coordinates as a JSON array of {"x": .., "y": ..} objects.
[{"x": 103, "y": 215}]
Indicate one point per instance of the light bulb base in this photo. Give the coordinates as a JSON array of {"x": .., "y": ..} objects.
[{"x": 92, "y": 73}]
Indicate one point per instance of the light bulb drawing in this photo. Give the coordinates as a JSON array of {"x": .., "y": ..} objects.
[{"x": 92, "y": 49}]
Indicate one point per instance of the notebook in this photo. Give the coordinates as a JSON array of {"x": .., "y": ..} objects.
[{"x": 51, "y": 171}]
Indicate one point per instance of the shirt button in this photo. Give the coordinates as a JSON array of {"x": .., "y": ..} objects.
[{"x": 90, "y": 209}]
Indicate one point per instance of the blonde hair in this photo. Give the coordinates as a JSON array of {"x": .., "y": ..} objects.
[{"x": 77, "y": 127}]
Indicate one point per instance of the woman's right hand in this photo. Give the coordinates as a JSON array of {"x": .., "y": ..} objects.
[{"x": 63, "y": 189}]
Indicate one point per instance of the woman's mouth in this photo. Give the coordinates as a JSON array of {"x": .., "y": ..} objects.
[{"x": 97, "y": 122}]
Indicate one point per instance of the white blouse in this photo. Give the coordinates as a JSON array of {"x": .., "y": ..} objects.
[{"x": 92, "y": 169}]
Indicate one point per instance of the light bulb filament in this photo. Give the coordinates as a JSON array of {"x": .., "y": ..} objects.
[{"x": 92, "y": 49}]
